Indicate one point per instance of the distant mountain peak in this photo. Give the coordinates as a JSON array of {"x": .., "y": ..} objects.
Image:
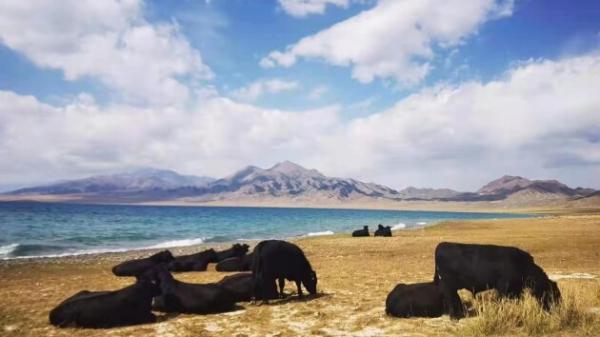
[
  {"x": 291, "y": 169},
  {"x": 505, "y": 184}
]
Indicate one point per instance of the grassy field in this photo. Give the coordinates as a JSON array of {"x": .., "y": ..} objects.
[{"x": 355, "y": 276}]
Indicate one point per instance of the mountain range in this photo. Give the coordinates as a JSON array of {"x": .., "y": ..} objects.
[{"x": 287, "y": 182}]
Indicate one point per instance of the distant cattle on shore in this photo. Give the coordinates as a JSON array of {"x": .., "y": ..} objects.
[
  {"x": 361, "y": 232},
  {"x": 105, "y": 309},
  {"x": 243, "y": 263},
  {"x": 415, "y": 300},
  {"x": 383, "y": 230},
  {"x": 276, "y": 260},
  {"x": 137, "y": 267},
  {"x": 193, "y": 262},
  {"x": 481, "y": 267}
]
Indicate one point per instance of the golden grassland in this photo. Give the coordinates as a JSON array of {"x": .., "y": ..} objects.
[{"x": 355, "y": 276}]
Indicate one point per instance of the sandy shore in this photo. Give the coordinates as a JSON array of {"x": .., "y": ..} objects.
[{"x": 355, "y": 275}]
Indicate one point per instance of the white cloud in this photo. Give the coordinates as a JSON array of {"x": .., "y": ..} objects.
[
  {"x": 257, "y": 89},
  {"x": 317, "y": 92},
  {"x": 540, "y": 120},
  {"x": 109, "y": 40},
  {"x": 302, "y": 8},
  {"x": 394, "y": 39},
  {"x": 466, "y": 134}
]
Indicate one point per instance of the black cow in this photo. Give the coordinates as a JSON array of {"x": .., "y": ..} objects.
[
  {"x": 383, "y": 230},
  {"x": 104, "y": 309},
  {"x": 274, "y": 259},
  {"x": 242, "y": 285},
  {"x": 481, "y": 267},
  {"x": 237, "y": 250},
  {"x": 137, "y": 267},
  {"x": 243, "y": 263},
  {"x": 193, "y": 262},
  {"x": 361, "y": 232},
  {"x": 415, "y": 300},
  {"x": 177, "y": 296}
]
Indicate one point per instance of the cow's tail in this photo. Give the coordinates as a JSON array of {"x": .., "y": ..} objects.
[{"x": 436, "y": 276}]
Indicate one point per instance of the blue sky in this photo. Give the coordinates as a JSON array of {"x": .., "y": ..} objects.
[{"x": 321, "y": 80}]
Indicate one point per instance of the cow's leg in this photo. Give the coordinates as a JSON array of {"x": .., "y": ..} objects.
[
  {"x": 299, "y": 286},
  {"x": 452, "y": 300},
  {"x": 281, "y": 281}
]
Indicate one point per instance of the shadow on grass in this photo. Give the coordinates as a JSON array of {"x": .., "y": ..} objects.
[{"x": 294, "y": 298}]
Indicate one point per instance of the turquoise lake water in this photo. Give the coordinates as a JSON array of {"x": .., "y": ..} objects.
[{"x": 29, "y": 229}]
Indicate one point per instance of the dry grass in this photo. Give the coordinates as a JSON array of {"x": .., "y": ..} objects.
[
  {"x": 526, "y": 317},
  {"x": 355, "y": 275}
]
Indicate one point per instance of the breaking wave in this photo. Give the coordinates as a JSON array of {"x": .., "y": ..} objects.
[
  {"x": 398, "y": 226},
  {"x": 320, "y": 233}
]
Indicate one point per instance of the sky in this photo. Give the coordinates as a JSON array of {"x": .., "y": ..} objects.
[{"x": 422, "y": 93}]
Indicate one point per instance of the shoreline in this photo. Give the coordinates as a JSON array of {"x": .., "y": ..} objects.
[{"x": 206, "y": 243}]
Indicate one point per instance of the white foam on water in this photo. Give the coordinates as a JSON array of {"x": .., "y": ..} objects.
[
  {"x": 398, "y": 226},
  {"x": 177, "y": 243},
  {"x": 320, "y": 233},
  {"x": 7, "y": 249},
  {"x": 422, "y": 223}
]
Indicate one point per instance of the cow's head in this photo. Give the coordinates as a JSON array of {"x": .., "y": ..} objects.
[
  {"x": 551, "y": 295},
  {"x": 211, "y": 255},
  {"x": 240, "y": 249},
  {"x": 159, "y": 277},
  {"x": 310, "y": 282},
  {"x": 164, "y": 256}
]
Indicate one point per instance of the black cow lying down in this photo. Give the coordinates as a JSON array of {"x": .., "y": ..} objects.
[
  {"x": 105, "y": 309},
  {"x": 177, "y": 296},
  {"x": 243, "y": 263},
  {"x": 361, "y": 232},
  {"x": 236, "y": 250},
  {"x": 242, "y": 285},
  {"x": 193, "y": 262},
  {"x": 383, "y": 230},
  {"x": 481, "y": 267},
  {"x": 415, "y": 300},
  {"x": 137, "y": 267},
  {"x": 275, "y": 259}
]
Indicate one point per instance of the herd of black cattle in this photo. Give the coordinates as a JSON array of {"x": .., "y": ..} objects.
[{"x": 473, "y": 267}]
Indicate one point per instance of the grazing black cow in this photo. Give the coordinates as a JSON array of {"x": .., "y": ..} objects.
[
  {"x": 105, "y": 309},
  {"x": 137, "y": 267},
  {"x": 177, "y": 296},
  {"x": 193, "y": 262},
  {"x": 275, "y": 259},
  {"x": 481, "y": 267},
  {"x": 243, "y": 263},
  {"x": 383, "y": 230},
  {"x": 361, "y": 232},
  {"x": 242, "y": 285},
  {"x": 237, "y": 250},
  {"x": 415, "y": 300}
]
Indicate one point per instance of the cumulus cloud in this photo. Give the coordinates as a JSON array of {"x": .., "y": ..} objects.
[
  {"x": 108, "y": 40},
  {"x": 539, "y": 120},
  {"x": 216, "y": 136},
  {"x": 394, "y": 39},
  {"x": 257, "y": 89},
  {"x": 302, "y": 8}
]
